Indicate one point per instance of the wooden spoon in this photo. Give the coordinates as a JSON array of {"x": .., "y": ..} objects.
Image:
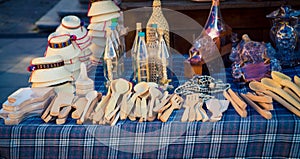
[
  {"x": 140, "y": 89},
  {"x": 276, "y": 88},
  {"x": 291, "y": 93},
  {"x": 90, "y": 97},
  {"x": 144, "y": 109},
  {"x": 154, "y": 93},
  {"x": 285, "y": 81},
  {"x": 259, "y": 87},
  {"x": 83, "y": 81},
  {"x": 120, "y": 87},
  {"x": 264, "y": 113}
]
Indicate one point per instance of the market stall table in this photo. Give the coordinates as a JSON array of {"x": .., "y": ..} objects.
[{"x": 233, "y": 136}]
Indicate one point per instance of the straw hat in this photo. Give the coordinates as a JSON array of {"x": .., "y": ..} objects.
[
  {"x": 100, "y": 26},
  {"x": 45, "y": 69},
  {"x": 73, "y": 25},
  {"x": 99, "y": 41},
  {"x": 95, "y": 33},
  {"x": 102, "y": 7},
  {"x": 97, "y": 50},
  {"x": 105, "y": 17},
  {"x": 60, "y": 43}
]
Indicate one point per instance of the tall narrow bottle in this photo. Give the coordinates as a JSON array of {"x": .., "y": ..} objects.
[
  {"x": 216, "y": 28},
  {"x": 142, "y": 59},
  {"x": 134, "y": 50},
  {"x": 163, "y": 55},
  {"x": 110, "y": 58},
  {"x": 158, "y": 18}
]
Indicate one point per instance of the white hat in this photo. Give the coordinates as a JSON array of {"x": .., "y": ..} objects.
[
  {"x": 102, "y": 7},
  {"x": 105, "y": 17},
  {"x": 100, "y": 26},
  {"x": 60, "y": 43},
  {"x": 99, "y": 41},
  {"x": 51, "y": 83},
  {"x": 73, "y": 25},
  {"x": 45, "y": 69},
  {"x": 95, "y": 33},
  {"x": 98, "y": 51}
]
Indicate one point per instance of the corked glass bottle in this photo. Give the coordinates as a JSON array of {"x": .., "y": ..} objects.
[
  {"x": 217, "y": 29},
  {"x": 158, "y": 18}
]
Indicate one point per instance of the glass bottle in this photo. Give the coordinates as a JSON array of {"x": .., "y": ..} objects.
[
  {"x": 216, "y": 28},
  {"x": 158, "y": 18},
  {"x": 142, "y": 59},
  {"x": 163, "y": 55},
  {"x": 134, "y": 49},
  {"x": 110, "y": 58}
]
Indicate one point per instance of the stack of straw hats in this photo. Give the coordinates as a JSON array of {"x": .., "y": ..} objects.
[
  {"x": 63, "y": 44},
  {"x": 50, "y": 71},
  {"x": 101, "y": 14},
  {"x": 73, "y": 25}
]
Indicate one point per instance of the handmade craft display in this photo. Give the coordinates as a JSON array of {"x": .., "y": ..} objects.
[
  {"x": 83, "y": 83},
  {"x": 102, "y": 14},
  {"x": 75, "y": 27},
  {"x": 24, "y": 103}
]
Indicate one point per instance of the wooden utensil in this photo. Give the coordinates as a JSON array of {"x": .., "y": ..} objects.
[
  {"x": 237, "y": 99},
  {"x": 285, "y": 81},
  {"x": 259, "y": 87},
  {"x": 124, "y": 105},
  {"x": 261, "y": 99},
  {"x": 83, "y": 82},
  {"x": 154, "y": 93},
  {"x": 199, "y": 116},
  {"x": 80, "y": 104},
  {"x": 190, "y": 101},
  {"x": 139, "y": 89},
  {"x": 47, "y": 110},
  {"x": 62, "y": 99},
  {"x": 64, "y": 112},
  {"x": 264, "y": 113},
  {"x": 60, "y": 121},
  {"x": 90, "y": 97},
  {"x": 291, "y": 93},
  {"x": 266, "y": 106},
  {"x": 175, "y": 104},
  {"x": 276, "y": 88},
  {"x": 144, "y": 109},
  {"x": 241, "y": 112},
  {"x": 120, "y": 87},
  {"x": 26, "y": 96}
]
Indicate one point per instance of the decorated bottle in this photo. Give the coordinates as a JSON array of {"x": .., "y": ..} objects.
[
  {"x": 217, "y": 29},
  {"x": 134, "y": 49},
  {"x": 110, "y": 58},
  {"x": 163, "y": 56},
  {"x": 152, "y": 46},
  {"x": 158, "y": 18},
  {"x": 142, "y": 59}
]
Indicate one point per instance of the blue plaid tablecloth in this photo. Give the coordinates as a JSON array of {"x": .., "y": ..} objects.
[{"x": 232, "y": 137}]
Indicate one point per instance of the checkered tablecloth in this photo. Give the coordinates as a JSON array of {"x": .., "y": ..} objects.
[{"x": 233, "y": 136}]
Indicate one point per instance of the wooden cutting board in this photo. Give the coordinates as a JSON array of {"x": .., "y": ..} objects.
[{"x": 26, "y": 96}]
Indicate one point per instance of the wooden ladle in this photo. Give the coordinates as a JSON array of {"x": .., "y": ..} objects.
[
  {"x": 90, "y": 97},
  {"x": 260, "y": 88},
  {"x": 276, "y": 88},
  {"x": 285, "y": 81},
  {"x": 154, "y": 93},
  {"x": 140, "y": 89},
  {"x": 118, "y": 88},
  {"x": 297, "y": 80}
]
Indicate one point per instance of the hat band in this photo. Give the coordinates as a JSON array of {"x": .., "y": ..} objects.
[
  {"x": 45, "y": 66},
  {"x": 75, "y": 27},
  {"x": 60, "y": 45}
]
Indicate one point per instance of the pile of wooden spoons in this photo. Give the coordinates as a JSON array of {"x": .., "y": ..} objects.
[
  {"x": 281, "y": 89},
  {"x": 24, "y": 103},
  {"x": 62, "y": 104}
]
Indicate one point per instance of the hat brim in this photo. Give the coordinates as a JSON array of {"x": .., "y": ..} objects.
[
  {"x": 100, "y": 26},
  {"x": 102, "y": 7},
  {"x": 46, "y": 75},
  {"x": 68, "y": 52},
  {"x": 105, "y": 17},
  {"x": 95, "y": 33},
  {"x": 51, "y": 83}
]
